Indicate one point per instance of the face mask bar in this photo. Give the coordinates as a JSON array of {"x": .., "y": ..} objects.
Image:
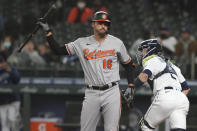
[{"x": 139, "y": 55}]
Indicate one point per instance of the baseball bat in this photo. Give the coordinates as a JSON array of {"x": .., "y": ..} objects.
[{"x": 46, "y": 15}]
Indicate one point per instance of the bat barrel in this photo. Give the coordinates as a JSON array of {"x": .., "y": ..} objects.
[{"x": 46, "y": 15}]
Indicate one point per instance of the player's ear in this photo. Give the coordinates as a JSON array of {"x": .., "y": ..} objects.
[{"x": 92, "y": 24}]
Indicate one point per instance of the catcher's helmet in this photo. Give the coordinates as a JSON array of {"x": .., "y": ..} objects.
[
  {"x": 101, "y": 16},
  {"x": 152, "y": 46}
]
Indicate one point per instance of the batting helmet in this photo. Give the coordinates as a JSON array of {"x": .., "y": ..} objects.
[{"x": 101, "y": 16}]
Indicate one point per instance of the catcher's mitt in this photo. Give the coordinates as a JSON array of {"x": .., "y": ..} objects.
[{"x": 128, "y": 97}]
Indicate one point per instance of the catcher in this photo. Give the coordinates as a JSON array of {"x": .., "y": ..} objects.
[{"x": 169, "y": 88}]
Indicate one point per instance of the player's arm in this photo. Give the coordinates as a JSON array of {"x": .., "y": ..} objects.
[
  {"x": 13, "y": 77},
  {"x": 142, "y": 78},
  {"x": 129, "y": 93},
  {"x": 56, "y": 48},
  {"x": 127, "y": 63},
  {"x": 182, "y": 80},
  {"x": 129, "y": 71},
  {"x": 186, "y": 91},
  {"x": 185, "y": 87}
]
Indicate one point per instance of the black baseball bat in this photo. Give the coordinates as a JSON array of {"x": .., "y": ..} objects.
[{"x": 50, "y": 10}]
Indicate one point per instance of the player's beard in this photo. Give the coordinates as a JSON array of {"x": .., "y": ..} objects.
[{"x": 102, "y": 34}]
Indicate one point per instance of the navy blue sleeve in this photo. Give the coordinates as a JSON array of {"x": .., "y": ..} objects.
[
  {"x": 148, "y": 72},
  {"x": 14, "y": 76},
  {"x": 138, "y": 83},
  {"x": 129, "y": 71},
  {"x": 184, "y": 86},
  {"x": 55, "y": 47}
]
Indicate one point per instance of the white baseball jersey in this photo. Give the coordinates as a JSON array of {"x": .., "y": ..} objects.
[
  {"x": 100, "y": 62},
  {"x": 168, "y": 102},
  {"x": 180, "y": 76},
  {"x": 156, "y": 65}
]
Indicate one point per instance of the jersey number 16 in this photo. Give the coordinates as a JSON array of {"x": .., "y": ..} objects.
[{"x": 107, "y": 64}]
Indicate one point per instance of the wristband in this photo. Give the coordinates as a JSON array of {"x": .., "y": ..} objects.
[
  {"x": 184, "y": 86},
  {"x": 138, "y": 83}
]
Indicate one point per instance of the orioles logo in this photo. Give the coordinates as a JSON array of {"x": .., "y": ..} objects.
[
  {"x": 104, "y": 16},
  {"x": 88, "y": 55}
]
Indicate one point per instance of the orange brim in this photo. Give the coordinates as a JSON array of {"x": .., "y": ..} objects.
[{"x": 102, "y": 20}]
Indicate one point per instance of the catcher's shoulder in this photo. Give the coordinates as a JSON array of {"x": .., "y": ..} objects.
[{"x": 153, "y": 61}]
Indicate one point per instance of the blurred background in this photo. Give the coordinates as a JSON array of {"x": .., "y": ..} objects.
[{"x": 46, "y": 91}]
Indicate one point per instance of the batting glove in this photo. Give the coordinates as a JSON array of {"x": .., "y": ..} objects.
[{"x": 44, "y": 25}]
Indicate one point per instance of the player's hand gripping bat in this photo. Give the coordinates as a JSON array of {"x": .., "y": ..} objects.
[{"x": 46, "y": 15}]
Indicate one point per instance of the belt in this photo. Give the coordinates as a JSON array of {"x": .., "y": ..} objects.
[
  {"x": 168, "y": 87},
  {"x": 171, "y": 88},
  {"x": 104, "y": 87}
]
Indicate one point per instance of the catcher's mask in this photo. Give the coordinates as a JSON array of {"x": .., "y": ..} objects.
[
  {"x": 148, "y": 48},
  {"x": 101, "y": 16}
]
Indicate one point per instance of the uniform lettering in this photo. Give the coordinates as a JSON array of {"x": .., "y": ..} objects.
[{"x": 88, "y": 55}]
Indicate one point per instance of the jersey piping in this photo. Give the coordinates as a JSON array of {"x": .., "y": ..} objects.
[{"x": 67, "y": 48}]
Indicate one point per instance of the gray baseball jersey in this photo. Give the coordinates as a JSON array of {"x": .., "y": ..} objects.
[{"x": 100, "y": 62}]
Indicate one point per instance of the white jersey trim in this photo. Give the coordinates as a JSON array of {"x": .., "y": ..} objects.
[{"x": 127, "y": 61}]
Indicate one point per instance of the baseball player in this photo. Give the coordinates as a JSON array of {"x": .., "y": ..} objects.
[
  {"x": 10, "y": 117},
  {"x": 169, "y": 88},
  {"x": 99, "y": 55}
]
